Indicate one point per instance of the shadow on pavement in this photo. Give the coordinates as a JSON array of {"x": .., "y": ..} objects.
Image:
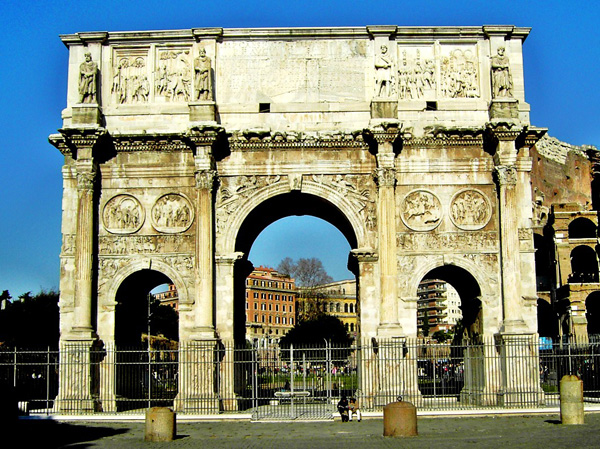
[{"x": 53, "y": 435}]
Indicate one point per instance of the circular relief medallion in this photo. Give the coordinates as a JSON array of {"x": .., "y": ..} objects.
[
  {"x": 123, "y": 214},
  {"x": 172, "y": 213},
  {"x": 470, "y": 210},
  {"x": 421, "y": 210}
]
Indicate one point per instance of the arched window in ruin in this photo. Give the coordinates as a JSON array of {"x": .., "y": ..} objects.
[
  {"x": 582, "y": 228},
  {"x": 592, "y": 306},
  {"x": 584, "y": 265}
]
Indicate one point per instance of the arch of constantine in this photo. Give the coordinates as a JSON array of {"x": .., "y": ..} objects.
[{"x": 181, "y": 146}]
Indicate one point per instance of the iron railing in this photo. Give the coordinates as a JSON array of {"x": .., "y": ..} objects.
[{"x": 268, "y": 381}]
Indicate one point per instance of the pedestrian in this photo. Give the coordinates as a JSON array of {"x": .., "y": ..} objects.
[
  {"x": 343, "y": 408},
  {"x": 353, "y": 408}
]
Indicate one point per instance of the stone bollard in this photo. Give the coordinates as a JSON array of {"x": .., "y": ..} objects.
[
  {"x": 571, "y": 400},
  {"x": 160, "y": 424},
  {"x": 400, "y": 419}
]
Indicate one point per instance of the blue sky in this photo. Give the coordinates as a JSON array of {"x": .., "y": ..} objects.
[{"x": 561, "y": 58}]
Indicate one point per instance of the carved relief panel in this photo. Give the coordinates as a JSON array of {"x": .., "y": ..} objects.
[
  {"x": 459, "y": 72},
  {"x": 421, "y": 210},
  {"x": 172, "y": 213},
  {"x": 130, "y": 76},
  {"x": 173, "y": 74},
  {"x": 123, "y": 214},
  {"x": 470, "y": 209},
  {"x": 417, "y": 74}
]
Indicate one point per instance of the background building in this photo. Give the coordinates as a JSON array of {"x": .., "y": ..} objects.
[
  {"x": 438, "y": 307},
  {"x": 338, "y": 299},
  {"x": 270, "y": 303},
  {"x": 169, "y": 297}
]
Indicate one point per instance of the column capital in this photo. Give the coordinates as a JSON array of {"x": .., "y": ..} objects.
[
  {"x": 505, "y": 175},
  {"x": 385, "y": 177},
  {"x": 205, "y": 179}
]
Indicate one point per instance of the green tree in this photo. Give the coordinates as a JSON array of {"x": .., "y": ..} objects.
[
  {"x": 310, "y": 275},
  {"x": 314, "y": 332},
  {"x": 30, "y": 321}
]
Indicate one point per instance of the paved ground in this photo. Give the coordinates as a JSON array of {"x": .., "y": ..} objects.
[{"x": 435, "y": 432}]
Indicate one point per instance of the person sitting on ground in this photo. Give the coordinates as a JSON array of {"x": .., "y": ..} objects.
[
  {"x": 343, "y": 408},
  {"x": 353, "y": 408}
]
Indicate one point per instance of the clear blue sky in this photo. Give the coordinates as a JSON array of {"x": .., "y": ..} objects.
[{"x": 561, "y": 58}]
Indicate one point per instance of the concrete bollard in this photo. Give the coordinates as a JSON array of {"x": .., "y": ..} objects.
[
  {"x": 400, "y": 420},
  {"x": 571, "y": 400},
  {"x": 160, "y": 424}
]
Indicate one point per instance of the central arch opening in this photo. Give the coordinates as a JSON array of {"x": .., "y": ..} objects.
[{"x": 292, "y": 225}]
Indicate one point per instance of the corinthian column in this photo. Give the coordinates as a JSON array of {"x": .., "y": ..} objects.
[
  {"x": 84, "y": 247},
  {"x": 506, "y": 179},
  {"x": 386, "y": 181},
  {"x": 204, "y": 328}
]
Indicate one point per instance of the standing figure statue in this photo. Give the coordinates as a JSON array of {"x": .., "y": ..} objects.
[
  {"x": 203, "y": 85},
  {"x": 383, "y": 79},
  {"x": 88, "y": 73},
  {"x": 501, "y": 78}
]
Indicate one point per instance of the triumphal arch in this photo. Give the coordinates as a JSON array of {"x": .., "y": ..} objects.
[{"x": 181, "y": 146}]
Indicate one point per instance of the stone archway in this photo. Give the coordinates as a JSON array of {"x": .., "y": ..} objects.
[{"x": 181, "y": 181}]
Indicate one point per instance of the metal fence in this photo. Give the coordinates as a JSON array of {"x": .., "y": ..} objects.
[{"x": 271, "y": 382}]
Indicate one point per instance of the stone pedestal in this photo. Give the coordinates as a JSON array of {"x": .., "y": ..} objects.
[
  {"x": 203, "y": 111},
  {"x": 197, "y": 378},
  {"x": 397, "y": 370},
  {"x": 86, "y": 114},
  {"x": 504, "y": 108},
  {"x": 519, "y": 360},
  {"x": 384, "y": 108},
  {"x": 78, "y": 378}
]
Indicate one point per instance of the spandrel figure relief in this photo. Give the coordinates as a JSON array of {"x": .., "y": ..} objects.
[
  {"x": 459, "y": 76},
  {"x": 123, "y": 214},
  {"x": 421, "y": 210},
  {"x": 130, "y": 80},
  {"x": 502, "y": 83},
  {"x": 384, "y": 79},
  {"x": 88, "y": 80},
  {"x": 173, "y": 75},
  {"x": 416, "y": 77},
  {"x": 203, "y": 80},
  {"x": 470, "y": 210},
  {"x": 172, "y": 213}
]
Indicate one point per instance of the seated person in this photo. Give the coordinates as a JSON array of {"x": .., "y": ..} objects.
[{"x": 353, "y": 408}]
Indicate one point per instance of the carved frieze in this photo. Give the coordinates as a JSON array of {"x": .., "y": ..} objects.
[
  {"x": 470, "y": 210},
  {"x": 449, "y": 241},
  {"x": 123, "y": 214},
  {"x": 130, "y": 78},
  {"x": 172, "y": 213},
  {"x": 145, "y": 244},
  {"x": 421, "y": 210},
  {"x": 173, "y": 74}
]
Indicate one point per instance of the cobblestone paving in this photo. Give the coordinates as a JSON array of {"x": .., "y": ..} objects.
[{"x": 434, "y": 432}]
